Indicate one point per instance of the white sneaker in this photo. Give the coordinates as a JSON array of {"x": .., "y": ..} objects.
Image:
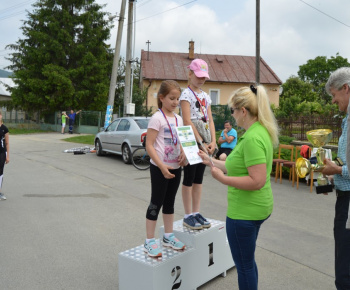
[{"x": 2, "y": 197}]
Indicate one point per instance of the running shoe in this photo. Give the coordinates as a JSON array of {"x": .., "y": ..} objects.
[
  {"x": 152, "y": 249},
  {"x": 173, "y": 242},
  {"x": 2, "y": 197}
]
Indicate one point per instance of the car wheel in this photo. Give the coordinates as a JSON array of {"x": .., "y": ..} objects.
[
  {"x": 98, "y": 148},
  {"x": 126, "y": 154}
]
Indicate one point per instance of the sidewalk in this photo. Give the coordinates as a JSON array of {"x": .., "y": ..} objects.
[{"x": 68, "y": 216}]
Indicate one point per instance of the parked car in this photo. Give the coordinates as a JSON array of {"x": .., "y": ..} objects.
[{"x": 122, "y": 137}]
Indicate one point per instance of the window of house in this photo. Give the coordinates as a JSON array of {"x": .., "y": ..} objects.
[{"x": 215, "y": 97}]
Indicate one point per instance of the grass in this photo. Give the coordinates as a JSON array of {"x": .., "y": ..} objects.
[
  {"x": 85, "y": 139},
  {"x": 18, "y": 131}
]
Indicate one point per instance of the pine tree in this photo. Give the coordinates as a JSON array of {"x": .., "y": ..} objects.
[{"x": 63, "y": 61}]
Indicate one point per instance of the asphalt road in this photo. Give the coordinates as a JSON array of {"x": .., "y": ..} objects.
[{"x": 68, "y": 216}]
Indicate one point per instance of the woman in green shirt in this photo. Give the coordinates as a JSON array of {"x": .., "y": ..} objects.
[{"x": 248, "y": 168}]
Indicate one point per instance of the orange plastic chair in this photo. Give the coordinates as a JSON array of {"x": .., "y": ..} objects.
[
  {"x": 291, "y": 166},
  {"x": 279, "y": 162}
]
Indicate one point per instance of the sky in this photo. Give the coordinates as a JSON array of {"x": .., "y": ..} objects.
[{"x": 291, "y": 31}]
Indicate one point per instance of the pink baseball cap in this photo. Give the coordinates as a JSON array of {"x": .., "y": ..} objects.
[{"x": 200, "y": 68}]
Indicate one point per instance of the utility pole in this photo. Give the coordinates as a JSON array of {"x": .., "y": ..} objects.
[
  {"x": 257, "y": 54},
  {"x": 133, "y": 55},
  {"x": 127, "y": 88},
  {"x": 113, "y": 82}
]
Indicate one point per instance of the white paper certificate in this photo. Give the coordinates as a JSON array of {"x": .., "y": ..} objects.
[{"x": 189, "y": 144}]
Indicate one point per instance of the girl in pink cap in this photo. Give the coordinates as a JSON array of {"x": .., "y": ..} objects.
[{"x": 196, "y": 111}]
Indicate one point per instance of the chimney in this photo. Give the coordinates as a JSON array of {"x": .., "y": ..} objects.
[{"x": 191, "y": 50}]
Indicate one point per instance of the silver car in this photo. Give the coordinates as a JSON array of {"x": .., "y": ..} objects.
[{"x": 122, "y": 137}]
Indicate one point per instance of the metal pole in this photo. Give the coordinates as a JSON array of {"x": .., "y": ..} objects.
[
  {"x": 128, "y": 56},
  {"x": 257, "y": 54},
  {"x": 133, "y": 55},
  {"x": 113, "y": 82}
]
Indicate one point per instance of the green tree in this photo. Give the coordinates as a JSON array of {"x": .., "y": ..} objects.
[
  {"x": 295, "y": 92},
  {"x": 304, "y": 95},
  {"x": 63, "y": 60},
  {"x": 294, "y": 86},
  {"x": 317, "y": 71}
]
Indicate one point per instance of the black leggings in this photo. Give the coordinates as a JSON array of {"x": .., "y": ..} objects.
[
  {"x": 2, "y": 165},
  {"x": 193, "y": 174},
  {"x": 163, "y": 192}
]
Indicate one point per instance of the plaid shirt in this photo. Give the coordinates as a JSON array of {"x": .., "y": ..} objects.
[{"x": 342, "y": 182}]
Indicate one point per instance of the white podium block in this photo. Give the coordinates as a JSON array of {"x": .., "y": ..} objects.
[
  {"x": 206, "y": 256},
  {"x": 171, "y": 271},
  {"x": 212, "y": 255}
]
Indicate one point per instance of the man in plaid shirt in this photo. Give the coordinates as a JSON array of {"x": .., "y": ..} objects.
[{"x": 338, "y": 86}]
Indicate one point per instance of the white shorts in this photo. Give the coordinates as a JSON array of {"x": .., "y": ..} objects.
[{"x": 63, "y": 125}]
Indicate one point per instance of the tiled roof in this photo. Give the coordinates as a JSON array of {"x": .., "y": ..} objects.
[{"x": 222, "y": 68}]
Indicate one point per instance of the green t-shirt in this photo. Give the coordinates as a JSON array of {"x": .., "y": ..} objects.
[
  {"x": 254, "y": 147},
  {"x": 63, "y": 119}
]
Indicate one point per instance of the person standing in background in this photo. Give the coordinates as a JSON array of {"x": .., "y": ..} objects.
[
  {"x": 71, "y": 117},
  {"x": 4, "y": 152},
  {"x": 63, "y": 120}
]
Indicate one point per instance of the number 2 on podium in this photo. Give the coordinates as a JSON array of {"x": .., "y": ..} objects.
[{"x": 177, "y": 270}]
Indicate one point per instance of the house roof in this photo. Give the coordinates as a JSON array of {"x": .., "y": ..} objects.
[
  {"x": 3, "y": 89},
  {"x": 222, "y": 68}
]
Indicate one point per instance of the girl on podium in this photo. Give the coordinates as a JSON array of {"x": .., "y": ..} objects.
[
  {"x": 166, "y": 154},
  {"x": 248, "y": 169},
  {"x": 196, "y": 111}
]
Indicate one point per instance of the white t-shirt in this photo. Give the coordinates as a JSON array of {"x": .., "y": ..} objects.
[
  {"x": 164, "y": 145},
  {"x": 196, "y": 109}
]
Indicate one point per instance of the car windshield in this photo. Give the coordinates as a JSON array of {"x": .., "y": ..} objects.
[{"x": 142, "y": 123}]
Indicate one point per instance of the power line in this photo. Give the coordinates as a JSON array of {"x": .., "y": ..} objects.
[
  {"x": 142, "y": 3},
  {"x": 166, "y": 11},
  {"x": 12, "y": 15},
  {"x": 325, "y": 13},
  {"x": 17, "y": 5},
  {"x": 13, "y": 8}
]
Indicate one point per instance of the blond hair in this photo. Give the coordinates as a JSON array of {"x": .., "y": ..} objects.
[{"x": 258, "y": 105}]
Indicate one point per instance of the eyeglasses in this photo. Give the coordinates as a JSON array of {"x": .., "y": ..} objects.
[{"x": 233, "y": 110}]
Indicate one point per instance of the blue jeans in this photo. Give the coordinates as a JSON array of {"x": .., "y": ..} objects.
[
  {"x": 342, "y": 243},
  {"x": 242, "y": 236}
]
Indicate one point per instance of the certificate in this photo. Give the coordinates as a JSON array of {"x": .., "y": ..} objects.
[{"x": 189, "y": 144}]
